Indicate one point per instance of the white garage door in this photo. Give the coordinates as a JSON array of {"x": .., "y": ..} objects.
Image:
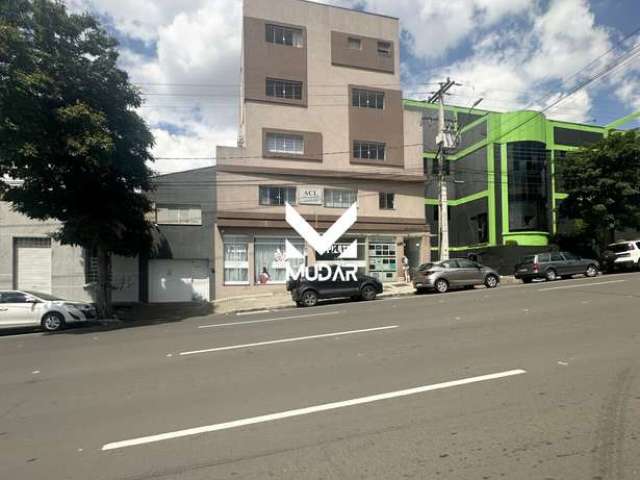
[
  {"x": 178, "y": 281},
  {"x": 33, "y": 264}
]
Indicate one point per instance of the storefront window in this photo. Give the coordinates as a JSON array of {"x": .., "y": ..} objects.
[
  {"x": 236, "y": 261},
  {"x": 382, "y": 259},
  {"x": 270, "y": 259}
]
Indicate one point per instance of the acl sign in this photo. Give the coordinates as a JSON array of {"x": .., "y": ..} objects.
[{"x": 322, "y": 244}]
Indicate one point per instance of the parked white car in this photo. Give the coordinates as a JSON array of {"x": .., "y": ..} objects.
[
  {"x": 622, "y": 256},
  {"x": 20, "y": 308}
]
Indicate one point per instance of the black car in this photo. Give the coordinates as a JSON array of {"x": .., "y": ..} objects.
[
  {"x": 306, "y": 292},
  {"x": 553, "y": 265}
]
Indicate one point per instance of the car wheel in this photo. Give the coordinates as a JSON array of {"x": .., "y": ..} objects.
[
  {"x": 491, "y": 281},
  {"x": 368, "y": 293},
  {"x": 592, "y": 271},
  {"x": 52, "y": 322},
  {"x": 309, "y": 298},
  {"x": 527, "y": 280},
  {"x": 551, "y": 275},
  {"x": 441, "y": 285}
]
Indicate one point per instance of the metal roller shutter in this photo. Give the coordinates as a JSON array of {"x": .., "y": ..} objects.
[{"x": 33, "y": 264}]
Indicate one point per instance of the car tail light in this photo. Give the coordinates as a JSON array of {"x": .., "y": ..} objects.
[{"x": 536, "y": 268}]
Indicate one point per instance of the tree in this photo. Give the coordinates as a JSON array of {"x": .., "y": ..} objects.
[
  {"x": 603, "y": 184},
  {"x": 69, "y": 132}
]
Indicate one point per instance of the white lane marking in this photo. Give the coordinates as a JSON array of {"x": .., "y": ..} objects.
[
  {"x": 580, "y": 286},
  {"x": 253, "y": 312},
  {"x": 307, "y": 410},
  {"x": 248, "y": 322},
  {"x": 287, "y": 340}
]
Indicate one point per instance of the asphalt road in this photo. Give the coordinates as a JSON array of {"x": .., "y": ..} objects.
[{"x": 522, "y": 382}]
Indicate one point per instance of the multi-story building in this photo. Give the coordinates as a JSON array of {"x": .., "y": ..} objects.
[
  {"x": 322, "y": 126},
  {"x": 504, "y": 190}
]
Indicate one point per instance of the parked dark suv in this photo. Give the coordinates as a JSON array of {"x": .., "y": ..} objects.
[
  {"x": 306, "y": 293},
  {"x": 553, "y": 265}
]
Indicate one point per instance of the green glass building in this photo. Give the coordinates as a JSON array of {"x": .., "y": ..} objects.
[{"x": 503, "y": 189}]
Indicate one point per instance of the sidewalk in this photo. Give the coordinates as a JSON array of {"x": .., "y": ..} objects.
[{"x": 273, "y": 301}]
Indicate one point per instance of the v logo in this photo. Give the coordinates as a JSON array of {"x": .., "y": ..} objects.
[{"x": 321, "y": 243}]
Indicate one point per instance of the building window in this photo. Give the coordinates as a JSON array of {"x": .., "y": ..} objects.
[
  {"x": 236, "y": 260},
  {"x": 367, "y": 99},
  {"x": 369, "y": 150},
  {"x": 387, "y": 201},
  {"x": 277, "y": 195},
  {"x": 284, "y": 36},
  {"x": 270, "y": 259},
  {"x": 482, "y": 222},
  {"x": 285, "y": 143},
  {"x": 384, "y": 49},
  {"x": 288, "y": 89},
  {"x": 527, "y": 186},
  {"x": 354, "y": 43},
  {"x": 178, "y": 215},
  {"x": 336, "y": 198}
]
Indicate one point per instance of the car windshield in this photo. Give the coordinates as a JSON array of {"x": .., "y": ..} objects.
[
  {"x": 619, "y": 247},
  {"x": 425, "y": 266},
  {"x": 44, "y": 296}
]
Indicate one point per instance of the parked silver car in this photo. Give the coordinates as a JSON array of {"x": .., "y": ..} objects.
[
  {"x": 20, "y": 308},
  {"x": 453, "y": 273}
]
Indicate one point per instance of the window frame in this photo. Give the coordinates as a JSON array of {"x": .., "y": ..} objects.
[
  {"x": 360, "y": 146},
  {"x": 331, "y": 191},
  {"x": 384, "y": 48},
  {"x": 275, "y": 85},
  {"x": 285, "y": 197},
  {"x": 372, "y": 99},
  {"x": 383, "y": 200},
  {"x": 273, "y": 32},
  {"x": 238, "y": 264},
  {"x": 351, "y": 41},
  {"x": 295, "y": 137},
  {"x": 178, "y": 208},
  {"x": 15, "y": 293}
]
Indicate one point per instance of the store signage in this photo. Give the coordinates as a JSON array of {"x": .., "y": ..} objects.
[
  {"x": 322, "y": 244},
  {"x": 309, "y": 195}
]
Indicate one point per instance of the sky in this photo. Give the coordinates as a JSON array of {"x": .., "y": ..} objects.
[{"x": 514, "y": 54}]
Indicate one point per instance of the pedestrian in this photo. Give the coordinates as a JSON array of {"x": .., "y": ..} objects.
[
  {"x": 405, "y": 269},
  {"x": 264, "y": 276}
]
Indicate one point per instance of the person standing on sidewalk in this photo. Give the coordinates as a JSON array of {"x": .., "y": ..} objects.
[{"x": 405, "y": 269}]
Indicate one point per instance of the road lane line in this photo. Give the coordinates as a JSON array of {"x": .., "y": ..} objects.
[
  {"x": 307, "y": 410},
  {"x": 581, "y": 285},
  {"x": 288, "y": 340},
  {"x": 270, "y": 319}
]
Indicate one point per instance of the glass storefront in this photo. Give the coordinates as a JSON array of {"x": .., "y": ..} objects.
[
  {"x": 270, "y": 258},
  {"x": 236, "y": 260},
  {"x": 382, "y": 259}
]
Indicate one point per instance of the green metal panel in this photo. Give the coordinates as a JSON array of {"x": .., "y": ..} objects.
[
  {"x": 520, "y": 127},
  {"x": 528, "y": 239},
  {"x": 504, "y": 185},
  {"x": 491, "y": 192}
]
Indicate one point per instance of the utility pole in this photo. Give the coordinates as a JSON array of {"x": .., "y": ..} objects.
[{"x": 446, "y": 138}]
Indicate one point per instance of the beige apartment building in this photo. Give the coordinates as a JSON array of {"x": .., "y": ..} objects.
[{"x": 322, "y": 126}]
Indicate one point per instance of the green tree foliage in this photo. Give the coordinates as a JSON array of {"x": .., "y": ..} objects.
[
  {"x": 603, "y": 183},
  {"x": 69, "y": 131}
]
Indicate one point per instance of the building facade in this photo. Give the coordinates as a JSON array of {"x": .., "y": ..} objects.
[
  {"x": 504, "y": 190},
  {"x": 179, "y": 267},
  {"x": 322, "y": 126}
]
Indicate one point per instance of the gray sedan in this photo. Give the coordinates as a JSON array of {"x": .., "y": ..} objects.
[{"x": 453, "y": 273}]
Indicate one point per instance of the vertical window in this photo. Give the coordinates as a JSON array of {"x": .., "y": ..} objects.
[
  {"x": 270, "y": 260},
  {"x": 384, "y": 49},
  {"x": 288, "y": 89},
  {"x": 284, "y": 35},
  {"x": 387, "y": 201},
  {"x": 482, "y": 223},
  {"x": 369, "y": 150},
  {"x": 236, "y": 260},
  {"x": 277, "y": 195},
  {"x": 285, "y": 143},
  {"x": 367, "y": 99},
  {"x": 335, "y": 198},
  {"x": 354, "y": 43}
]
